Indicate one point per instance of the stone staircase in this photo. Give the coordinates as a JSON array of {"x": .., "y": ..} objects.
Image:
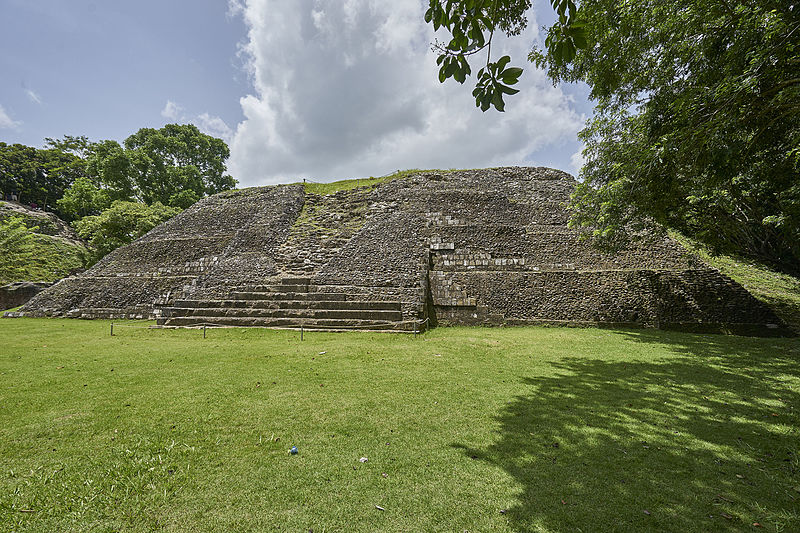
[{"x": 293, "y": 303}]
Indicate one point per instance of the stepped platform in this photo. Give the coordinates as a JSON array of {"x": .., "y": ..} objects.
[{"x": 292, "y": 303}]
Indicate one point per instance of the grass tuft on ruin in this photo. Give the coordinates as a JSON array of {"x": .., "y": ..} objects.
[{"x": 312, "y": 187}]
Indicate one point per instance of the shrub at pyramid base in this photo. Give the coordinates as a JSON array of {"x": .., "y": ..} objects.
[{"x": 485, "y": 247}]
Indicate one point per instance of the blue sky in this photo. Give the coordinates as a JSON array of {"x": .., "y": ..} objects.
[{"x": 323, "y": 89}]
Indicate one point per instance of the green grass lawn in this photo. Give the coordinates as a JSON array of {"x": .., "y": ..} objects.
[{"x": 529, "y": 429}]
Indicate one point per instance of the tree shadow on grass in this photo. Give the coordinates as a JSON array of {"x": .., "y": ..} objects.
[{"x": 703, "y": 439}]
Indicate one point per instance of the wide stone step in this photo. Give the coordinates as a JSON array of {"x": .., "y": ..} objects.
[
  {"x": 296, "y": 281},
  {"x": 249, "y": 295},
  {"x": 291, "y": 304},
  {"x": 284, "y": 287},
  {"x": 380, "y": 315},
  {"x": 308, "y": 323}
]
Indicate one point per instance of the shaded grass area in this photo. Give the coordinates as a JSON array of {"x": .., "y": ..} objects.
[
  {"x": 529, "y": 429},
  {"x": 779, "y": 290}
]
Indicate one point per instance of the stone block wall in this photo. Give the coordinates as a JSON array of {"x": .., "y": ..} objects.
[
  {"x": 643, "y": 297},
  {"x": 385, "y": 252},
  {"x": 262, "y": 219},
  {"x": 507, "y": 257},
  {"x": 188, "y": 255},
  {"x": 106, "y": 297}
]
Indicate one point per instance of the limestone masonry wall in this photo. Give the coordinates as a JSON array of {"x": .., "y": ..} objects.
[{"x": 485, "y": 247}]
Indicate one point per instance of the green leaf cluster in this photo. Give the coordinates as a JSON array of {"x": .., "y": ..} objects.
[
  {"x": 83, "y": 198},
  {"x": 471, "y": 25},
  {"x": 494, "y": 81},
  {"x": 697, "y": 123},
  {"x": 121, "y": 224}
]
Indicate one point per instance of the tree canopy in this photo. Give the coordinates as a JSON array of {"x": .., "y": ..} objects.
[
  {"x": 112, "y": 193},
  {"x": 177, "y": 164},
  {"x": 73, "y": 176},
  {"x": 697, "y": 117},
  {"x": 37, "y": 176}
]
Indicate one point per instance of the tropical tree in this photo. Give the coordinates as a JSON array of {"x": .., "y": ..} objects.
[
  {"x": 109, "y": 166},
  {"x": 81, "y": 199},
  {"x": 697, "y": 117},
  {"x": 39, "y": 176},
  {"x": 18, "y": 168},
  {"x": 71, "y": 144},
  {"x": 177, "y": 164}
]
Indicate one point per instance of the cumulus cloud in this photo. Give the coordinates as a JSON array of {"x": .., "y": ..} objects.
[
  {"x": 577, "y": 161},
  {"x": 172, "y": 111},
  {"x": 214, "y": 126},
  {"x": 205, "y": 122},
  {"x": 345, "y": 88},
  {"x": 7, "y": 122},
  {"x": 235, "y": 8}
]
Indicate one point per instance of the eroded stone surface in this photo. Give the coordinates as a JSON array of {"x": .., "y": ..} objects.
[
  {"x": 17, "y": 293},
  {"x": 468, "y": 247}
]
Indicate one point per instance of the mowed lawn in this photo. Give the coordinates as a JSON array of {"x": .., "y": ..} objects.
[{"x": 529, "y": 429}]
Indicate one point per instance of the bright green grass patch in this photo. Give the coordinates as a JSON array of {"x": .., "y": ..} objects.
[
  {"x": 778, "y": 290},
  {"x": 528, "y": 429},
  {"x": 346, "y": 185}
]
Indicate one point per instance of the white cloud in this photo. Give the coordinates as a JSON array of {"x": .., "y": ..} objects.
[
  {"x": 577, "y": 161},
  {"x": 235, "y": 8},
  {"x": 345, "y": 89},
  {"x": 205, "y": 122},
  {"x": 5, "y": 121},
  {"x": 214, "y": 126},
  {"x": 33, "y": 97},
  {"x": 172, "y": 111}
]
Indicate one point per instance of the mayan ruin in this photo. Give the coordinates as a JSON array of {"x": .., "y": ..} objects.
[{"x": 480, "y": 247}]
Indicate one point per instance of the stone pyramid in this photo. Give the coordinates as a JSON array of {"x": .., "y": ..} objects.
[{"x": 483, "y": 247}]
